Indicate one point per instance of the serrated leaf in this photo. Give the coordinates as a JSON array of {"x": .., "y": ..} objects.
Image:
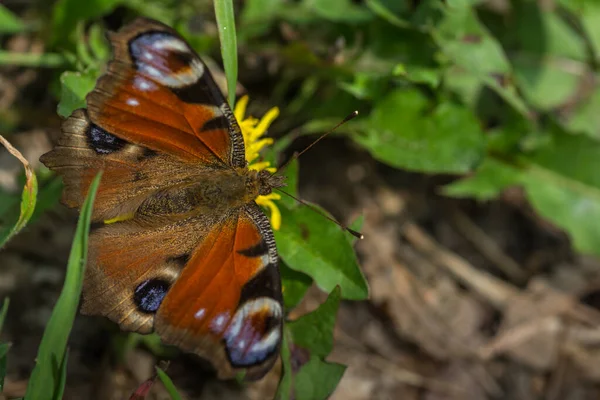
[
  {"x": 314, "y": 331},
  {"x": 403, "y": 132},
  {"x": 44, "y": 382},
  {"x": 311, "y": 244},
  {"x": 74, "y": 87},
  {"x": 28, "y": 196}
]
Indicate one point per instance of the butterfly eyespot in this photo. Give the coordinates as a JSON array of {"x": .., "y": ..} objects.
[
  {"x": 254, "y": 333},
  {"x": 149, "y": 294},
  {"x": 165, "y": 59},
  {"x": 103, "y": 142}
]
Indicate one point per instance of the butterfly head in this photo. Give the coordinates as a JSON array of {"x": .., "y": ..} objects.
[{"x": 267, "y": 182}]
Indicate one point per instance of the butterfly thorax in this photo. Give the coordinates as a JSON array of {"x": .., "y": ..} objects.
[{"x": 211, "y": 193}]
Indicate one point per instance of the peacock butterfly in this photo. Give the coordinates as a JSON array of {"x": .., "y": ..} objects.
[{"x": 179, "y": 246}]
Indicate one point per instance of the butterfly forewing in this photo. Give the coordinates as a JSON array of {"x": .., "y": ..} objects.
[{"x": 157, "y": 92}]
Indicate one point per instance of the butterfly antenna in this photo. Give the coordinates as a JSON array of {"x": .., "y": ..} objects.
[
  {"x": 296, "y": 155},
  {"x": 354, "y": 233}
]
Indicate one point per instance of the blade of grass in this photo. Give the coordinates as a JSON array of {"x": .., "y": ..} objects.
[
  {"x": 226, "y": 25},
  {"x": 45, "y": 60},
  {"x": 3, "y": 312},
  {"x": 164, "y": 378},
  {"x": 45, "y": 380},
  {"x": 62, "y": 378},
  {"x": 9, "y": 22},
  {"x": 4, "y": 347},
  {"x": 28, "y": 198}
]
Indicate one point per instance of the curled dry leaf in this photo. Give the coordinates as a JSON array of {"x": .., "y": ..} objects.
[{"x": 28, "y": 197}]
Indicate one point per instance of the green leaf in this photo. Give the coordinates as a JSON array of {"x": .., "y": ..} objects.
[
  {"x": 560, "y": 181},
  {"x": 585, "y": 117},
  {"x": 489, "y": 180},
  {"x": 44, "y": 382},
  {"x": 402, "y": 132},
  {"x": 311, "y": 244},
  {"x": 3, "y": 351},
  {"x": 169, "y": 386},
  {"x": 284, "y": 389},
  {"x": 294, "y": 285},
  {"x": 419, "y": 74},
  {"x": 9, "y": 22},
  {"x": 339, "y": 10},
  {"x": 28, "y": 197},
  {"x": 589, "y": 14},
  {"x": 226, "y": 26},
  {"x": 291, "y": 180},
  {"x": 383, "y": 12},
  {"x": 550, "y": 58},
  {"x": 314, "y": 331},
  {"x": 475, "y": 53},
  {"x": 68, "y": 13},
  {"x": 74, "y": 87},
  {"x": 317, "y": 379},
  {"x": 547, "y": 83}
]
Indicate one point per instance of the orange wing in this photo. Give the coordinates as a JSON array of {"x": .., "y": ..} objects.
[
  {"x": 155, "y": 119},
  {"x": 159, "y": 94},
  {"x": 218, "y": 296}
]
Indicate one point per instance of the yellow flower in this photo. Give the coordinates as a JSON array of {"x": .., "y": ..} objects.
[{"x": 253, "y": 131}]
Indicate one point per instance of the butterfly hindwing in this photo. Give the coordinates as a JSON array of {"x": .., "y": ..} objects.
[
  {"x": 219, "y": 296},
  {"x": 232, "y": 295}
]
